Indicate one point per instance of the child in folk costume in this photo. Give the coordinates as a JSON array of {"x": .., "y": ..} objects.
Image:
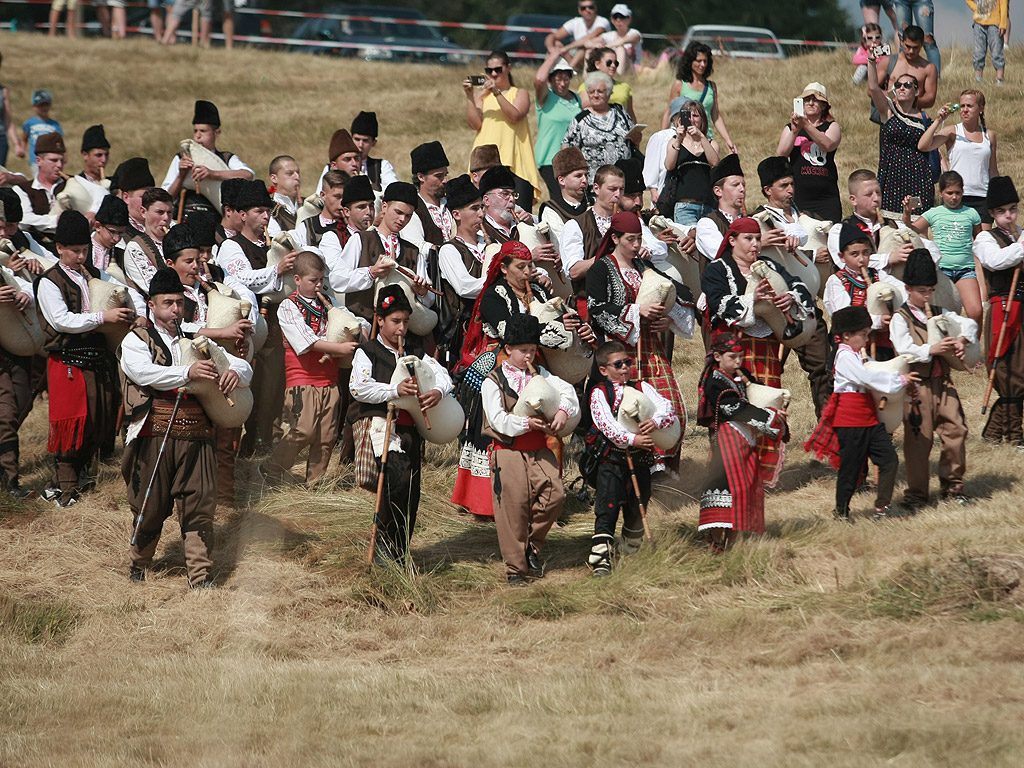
[
  {"x": 185, "y": 475},
  {"x": 15, "y": 388},
  {"x": 313, "y": 398},
  {"x": 849, "y": 431},
  {"x": 506, "y": 294},
  {"x": 936, "y": 405},
  {"x": 849, "y": 286},
  {"x": 143, "y": 255},
  {"x": 525, "y": 473},
  {"x": 746, "y": 448},
  {"x": 372, "y": 368},
  {"x": 612, "y": 443},
  {"x": 728, "y": 307},
  {"x": 613, "y": 283},
  {"x": 1000, "y": 251},
  {"x": 80, "y": 371}
]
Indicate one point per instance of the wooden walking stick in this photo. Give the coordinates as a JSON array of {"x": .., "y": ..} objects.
[
  {"x": 380, "y": 484},
  {"x": 639, "y": 499},
  {"x": 1002, "y": 336}
]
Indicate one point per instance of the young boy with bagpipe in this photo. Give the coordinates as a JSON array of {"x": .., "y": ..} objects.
[
  {"x": 389, "y": 449},
  {"x": 616, "y": 458},
  {"x": 850, "y": 432}
]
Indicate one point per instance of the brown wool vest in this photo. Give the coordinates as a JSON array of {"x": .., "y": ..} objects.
[
  {"x": 431, "y": 232},
  {"x": 284, "y": 217},
  {"x": 919, "y": 333},
  {"x": 508, "y": 401},
  {"x": 475, "y": 269},
  {"x": 55, "y": 341},
  {"x": 361, "y": 302},
  {"x": 138, "y": 400}
]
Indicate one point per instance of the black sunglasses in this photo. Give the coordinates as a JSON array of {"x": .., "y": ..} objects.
[
  {"x": 494, "y": 70},
  {"x": 587, "y": 7},
  {"x": 620, "y": 364}
]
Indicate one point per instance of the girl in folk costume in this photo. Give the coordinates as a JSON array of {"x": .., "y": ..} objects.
[
  {"x": 613, "y": 283},
  {"x": 746, "y": 446},
  {"x": 849, "y": 432},
  {"x": 729, "y": 307},
  {"x": 1000, "y": 251},
  {"x": 506, "y": 293},
  {"x": 80, "y": 371},
  {"x": 849, "y": 286}
]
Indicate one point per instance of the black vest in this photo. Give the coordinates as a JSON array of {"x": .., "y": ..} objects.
[
  {"x": 999, "y": 280},
  {"x": 361, "y": 302},
  {"x": 382, "y": 368},
  {"x": 373, "y": 166},
  {"x": 562, "y": 208},
  {"x": 315, "y": 231},
  {"x": 256, "y": 254},
  {"x": 431, "y": 232}
]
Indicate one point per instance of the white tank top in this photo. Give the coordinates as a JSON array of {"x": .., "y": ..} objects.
[{"x": 971, "y": 160}]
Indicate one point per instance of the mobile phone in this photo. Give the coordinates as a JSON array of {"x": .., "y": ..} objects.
[
  {"x": 881, "y": 50},
  {"x": 798, "y": 106},
  {"x": 477, "y": 79},
  {"x": 686, "y": 117},
  {"x": 914, "y": 202}
]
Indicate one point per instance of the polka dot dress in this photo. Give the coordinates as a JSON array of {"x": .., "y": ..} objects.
[{"x": 903, "y": 169}]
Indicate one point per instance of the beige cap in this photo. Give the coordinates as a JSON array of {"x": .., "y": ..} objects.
[{"x": 817, "y": 90}]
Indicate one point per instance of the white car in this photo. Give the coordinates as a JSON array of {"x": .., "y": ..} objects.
[{"x": 738, "y": 42}]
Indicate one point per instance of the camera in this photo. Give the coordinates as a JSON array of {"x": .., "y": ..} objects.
[
  {"x": 477, "y": 79},
  {"x": 881, "y": 50}
]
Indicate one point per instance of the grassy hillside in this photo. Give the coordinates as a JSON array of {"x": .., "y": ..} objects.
[{"x": 874, "y": 644}]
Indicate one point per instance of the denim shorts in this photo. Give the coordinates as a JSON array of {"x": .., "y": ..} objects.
[
  {"x": 956, "y": 275},
  {"x": 689, "y": 213},
  {"x": 876, "y": 3}
]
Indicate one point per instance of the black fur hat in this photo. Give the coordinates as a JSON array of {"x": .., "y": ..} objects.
[
  {"x": 850, "y": 320},
  {"x": 1001, "y": 191},
  {"x": 392, "y": 299},
  {"x": 72, "y": 229},
  {"x": 204, "y": 228},
  {"x": 771, "y": 169},
  {"x": 253, "y": 195},
  {"x": 94, "y": 138},
  {"x": 522, "y": 329},
  {"x": 113, "y": 211},
  {"x": 165, "y": 280},
  {"x": 179, "y": 238},
  {"x": 727, "y": 166},
  {"x": 920, "y": 269},
  {"x": 634, "y": 172},
  {"x": 357, "y": 189},
  {"x": 851, "y": 233},
  {"x": 498, "y": 177},
  {"x": 428, "y": 157},
  {"x": 132, "y": 174},
  {"x": 206, "y": 113},
  {"x": 461, "y": 191},
  {"x": 401, "y": 192},
  {"x": 365, "y": 124},
  {"x": 11, "y": 203}
]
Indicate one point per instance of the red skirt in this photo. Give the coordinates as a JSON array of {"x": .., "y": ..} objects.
[{"x": 739, "y": 504}]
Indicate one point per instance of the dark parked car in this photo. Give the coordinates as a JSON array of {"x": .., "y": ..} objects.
[
  {"x": 372, "y": 38},
  {"x": 526, "y": 42}
]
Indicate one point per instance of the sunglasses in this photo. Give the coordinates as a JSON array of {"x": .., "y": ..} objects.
[
  {"x": 905, "y": 86},
  {"x": 620, "y": 364},
  {"x": 872, "y": 37},
  {"x": 587, "y": 7},
  {"x": 494, "y": 70},
  {"x": 611, "y": 63}
]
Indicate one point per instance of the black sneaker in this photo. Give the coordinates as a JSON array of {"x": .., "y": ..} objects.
[
  {"x": 67, "y": 499},
  {"x": 23, "y": 494},
  {"x": 136, "y": 574},
  {"x": 534, "y": 564},
  {"x": 842, "y": 515},
  {"x": 957, "y": 498},
  {"x": 206, "y": 583},
  {"x": 892, "y": 512},
  {"x": 517, "y": 580},
  {"x": 601, "y": 571},
  {"x": 50, "y": 493}
]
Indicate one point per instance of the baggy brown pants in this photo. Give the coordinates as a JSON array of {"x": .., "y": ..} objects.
[
  {"x": 227, "y": 446},
  {"x": 15, "y": 399},
  {"x": 528, "y": 497},
  {"x": 186, "y": 478},
  {"x": 942, "y": 414},
  {"x": 314, "y": 423}
]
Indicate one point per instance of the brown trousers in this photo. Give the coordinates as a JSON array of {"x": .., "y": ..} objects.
[
  {"x": 268, "y": 385},
  {"x": 15, "y": 400},
  {"x": 314, "y": 414},
  {"x": 942, "y": 414},
  {"x": 186, "y": 478},
  {"x": 101, "y": 399},
  {"x": 528, "y": 498}
]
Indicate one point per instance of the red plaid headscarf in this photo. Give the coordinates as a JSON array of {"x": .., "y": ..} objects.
[{"x": 622, "y": 222}]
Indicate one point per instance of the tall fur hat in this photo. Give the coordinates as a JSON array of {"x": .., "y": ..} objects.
[
  {"x": 165, "y": 280},
  {"x": 357, "y": 189},
  {"x": 341, "y": 142},
  {"x": 850, "y": 320},
  {"x": 206, "y": 113},
  {"x": 1001, "y": 191},
  {"x": 204, "y": 228},
  {"x": 72, "y": 229},
  {"x": 113, "y": 211},
  {"x": 427, "y": 157},
  {"x": 253, "y": 195},
  {"x": 391, "y": 298},
  {"x": 498, "y": 177},
  {"x": 132, "y": 174},
  {"x": 11, "y": 206},
  {"x": 402, "y": 192},
  {"x": 771, "y": 169},
  {"x": 522, "y": 329},
  {"x": 365, "y": 124},
  {"x": 483, "y": 157},
  {"x": 727, "y": 166},
  {"x": 920, "y": 269},
  {"x": 179, "y": 238},
  {"x": 633, "y": 170},
  {"x": 851, "y": 233},
  {"x": 94, "y": 138},
  {"x": 568, "y": 160},
  {"x": 461, "y": 191}
]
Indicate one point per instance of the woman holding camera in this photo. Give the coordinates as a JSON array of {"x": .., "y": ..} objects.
[
  {"x": 693, "y": 81},
  {"x": 498, "y": 112},
  {"x": 810, "y": 141},
  {"x": 689, "y": 158},
  {"x": 903, "y": 169},
  {"x": 600, "y": 132}
]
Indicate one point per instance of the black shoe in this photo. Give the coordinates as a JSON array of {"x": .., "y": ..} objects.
[
  {"x": 206, "y": 583},
  {"x": 51, "y": 493},
  {"x": 892, "y": 512},
  {"x": 517, "y": 580},
  {"x": 957, "y": 498},
  {"x": 534, "y": 564},
  {"x": 601, "y": 571},
  {"x": 22, "y": 494},
  {"x": 67, "y": 499},
  {"x": 136, "y": 574},
  {"x": 843, "y": 515}
]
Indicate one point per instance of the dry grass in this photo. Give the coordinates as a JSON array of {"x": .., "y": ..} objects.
[{"x": 895, "y": 644}]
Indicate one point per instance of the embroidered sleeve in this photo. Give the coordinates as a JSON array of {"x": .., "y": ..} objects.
[
  {"x": 232, "y": 258},
  {"x": 601, "y": 413},
  {"x": 296, "y": 331},
  {"x": 664, "y": 415},
  {"x": 137, "y": 266},
  {"x": 725, "y": 298},
  {"x": 608, "y": 304}
]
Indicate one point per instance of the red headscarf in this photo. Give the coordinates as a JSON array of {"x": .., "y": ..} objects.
[
  {"x": 471, "y": 345},
  {"x": 622, "y": 223},
  {"x": 745, "y": 225}
]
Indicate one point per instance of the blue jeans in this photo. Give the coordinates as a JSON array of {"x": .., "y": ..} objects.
[
  {"x": 688, "y": 214},
  {"x": 921, "y": 13}
]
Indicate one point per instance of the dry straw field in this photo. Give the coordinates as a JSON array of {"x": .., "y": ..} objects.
[{"x": 874, "y": 644}]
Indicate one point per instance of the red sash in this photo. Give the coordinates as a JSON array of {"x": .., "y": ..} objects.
[
  {"x": 69, "y": 406},
  {"x": 855, "y": 409},
  {"x": 531, "y": 441},
  {"x": 996, "y": 350}
]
